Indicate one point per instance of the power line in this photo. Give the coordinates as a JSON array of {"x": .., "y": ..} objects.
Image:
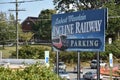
[{"x": 19, "y": 2}]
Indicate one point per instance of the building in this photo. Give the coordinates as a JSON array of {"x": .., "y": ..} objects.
[{"x": 28, "y": 23}]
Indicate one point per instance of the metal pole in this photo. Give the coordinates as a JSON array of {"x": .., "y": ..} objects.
[
  {"x": 0, "y": 55},
  {"x": 110, "y": 73},
  {"x": 78, "y": 67},
  {"x": 110, "y": 58},
  {"x": 98, "y": 66},
  {"x": 110, "y": 64},
  {"x": 57, "y": 61},
  {"x": 17, "y": 28}
]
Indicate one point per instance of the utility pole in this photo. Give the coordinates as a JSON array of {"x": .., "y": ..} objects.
[
  {"x": 16, "y": 23},
  {"x": 17, "y": 28}
]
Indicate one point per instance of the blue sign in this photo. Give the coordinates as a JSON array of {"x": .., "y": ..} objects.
[
  {"x": 111, "y": 59},
  {"x": 47, "y": 59},
  {"x": 79, "y": 31}
]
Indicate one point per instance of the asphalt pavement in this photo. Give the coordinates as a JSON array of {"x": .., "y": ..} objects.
[{"x": 73, "y": 75}]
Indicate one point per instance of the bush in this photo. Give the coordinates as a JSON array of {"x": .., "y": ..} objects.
[
  {"x": 28, "y": 52},
  {"x": 38, "y": 53},
  {"x": 29, "y": 73}
]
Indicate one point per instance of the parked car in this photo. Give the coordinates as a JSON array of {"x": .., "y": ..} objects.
[
  {"x": 59, "y": 70},
  {"x": 62, "y": 65},
  {"x": 91, "y": 75},
  {"x": 75, "y": 69},
  {"x": 93, "y": 64},
  {"x": 64, "y": 75}
]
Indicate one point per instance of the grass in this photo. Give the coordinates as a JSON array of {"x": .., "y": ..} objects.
[{"x": 7, "y": 51}]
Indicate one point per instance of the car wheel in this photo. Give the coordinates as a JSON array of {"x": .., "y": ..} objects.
[
  {"x": 91, "y": 67},
  {"x": 84, "y": 79},
  {"x": 91, "y": 78},
  {"x": 84, "y": 76}
]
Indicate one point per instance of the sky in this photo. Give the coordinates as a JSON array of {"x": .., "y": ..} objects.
[{"x": 32, "y": 9}]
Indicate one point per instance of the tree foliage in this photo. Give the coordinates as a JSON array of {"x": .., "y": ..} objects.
[
  {"x": 113, "y": 27},
  {"x": 26, "y": 36},
  {"x": 7, "y": 28},
  {"x": 32, "y": 72},
  {"x": 28, "y": 52},
  {"x": 43, "y": 27},
  {"x": 76, "y": 5}
]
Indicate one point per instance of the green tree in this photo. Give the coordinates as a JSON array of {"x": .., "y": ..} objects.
[
  {"x": 76, "y": 5},
  {"x": 43, "y": 27},
  {"x": 113, "y": 28},
  {"x": 26, "y": 36},
  {"x": 11, "y": 28},
  {"x": 3, "y": 25},
  {"x": 7, "y": 29}
]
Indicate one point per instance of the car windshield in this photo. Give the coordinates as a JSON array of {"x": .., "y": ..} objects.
[
  {"x": 94, "y": 62},
  {"x": 61, "y": 63},
  {"x": 93, "y": 72},
  {"x": 63, "y": 72}
]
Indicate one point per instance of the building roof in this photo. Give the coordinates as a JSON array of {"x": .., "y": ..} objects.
[{"x": 33, "y": 19}]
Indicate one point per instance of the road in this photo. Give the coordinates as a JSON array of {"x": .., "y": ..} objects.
[{"x": 73, "y": 76}]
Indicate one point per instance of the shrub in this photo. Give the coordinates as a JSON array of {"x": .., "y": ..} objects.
[{"x": 33, "y": 72}]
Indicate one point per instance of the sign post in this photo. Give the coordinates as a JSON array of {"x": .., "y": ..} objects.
[
  {"x": 110, "y": 59},
  {"x": 57, "y": 61},
  {"x": 0, "y": 55},
  {"x": 78, "y": 68},
  {"x": 111, "y": 64},
  {"x": 98, "y": 66}
]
